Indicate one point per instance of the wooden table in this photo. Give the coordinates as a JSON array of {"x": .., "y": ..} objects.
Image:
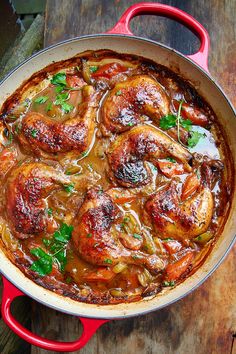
[{"x": 204, "y": 322}]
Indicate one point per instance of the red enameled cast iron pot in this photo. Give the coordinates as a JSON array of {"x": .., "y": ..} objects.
[{"x": 194, "y": 68}]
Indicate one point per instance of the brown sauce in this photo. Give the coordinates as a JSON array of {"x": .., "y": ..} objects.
[{"x": 114, "y": 178}]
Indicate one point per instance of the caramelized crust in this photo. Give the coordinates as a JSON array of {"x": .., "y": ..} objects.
[
  {"x": 133, "y": 101},
  {"x": 128, "y": 153},
  {"x": 46, "y": 137},
  {"x": 114, "y": 178},
  {"x": 93, "y": 238},
  {"x": 27, "y": 187}
]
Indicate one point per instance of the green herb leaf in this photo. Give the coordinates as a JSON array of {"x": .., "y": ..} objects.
[
  {"x": 118, "y": 93},
  {"x": 130, "y": 124},
  {"x": 48, "y": 211},
  {"x": 186, "y": 124},
  {"x": 61, "y": 98},
  {"x": 43, "y": 265},
  {"x": 69, "y": 188},
  {"x": 168, "y": 122},
  {"x": 66, "y": 107},
  {"x": 171, "y": 159},
  {"x": 85, "y": 153},
  {"x": 167, "y": 239},
  {"x": 34, "y": 133},
  {"x": 89, "y": 235},
  {"x": 49, "y": 107},
  {"x": 64, "y": 233},
  {"x": 137, "y": 236},
  {"x": 93, "y": 69},
  {"x": 41, "y": 99},
  {"x": 108, "y": 261},
  {"x": 168, "y": 283},
  {"x": 59, "y": 79},
  {"x": 59, "y": 89},
  {"x": 194, "y": 139}
]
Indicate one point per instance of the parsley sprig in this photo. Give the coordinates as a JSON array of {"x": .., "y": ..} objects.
[
  {"x": 59, "y": 80},
  {"x": 57, "y": 251},
  {"x": 172, "y": 120}
]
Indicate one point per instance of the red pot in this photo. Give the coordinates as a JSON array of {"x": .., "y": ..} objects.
[{"x": 194, "y": 68}]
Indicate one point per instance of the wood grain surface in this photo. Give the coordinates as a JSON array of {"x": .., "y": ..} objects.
[{"x": 204, "y": 322}]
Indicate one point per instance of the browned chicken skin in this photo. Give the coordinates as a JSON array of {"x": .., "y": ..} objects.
[
  {"x": 47, "y": 137},
  {"x": 172, "y": 217},
  {"x": 8, "y": 152},
  {"x": 128, "y": 153},
  {"x": 93, "y": 238},
  {"x": 130, "y": 101},
  {"x": 27, "y": 188}
]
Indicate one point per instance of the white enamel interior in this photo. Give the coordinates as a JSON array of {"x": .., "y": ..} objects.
[{"x": 207, "y": 88}]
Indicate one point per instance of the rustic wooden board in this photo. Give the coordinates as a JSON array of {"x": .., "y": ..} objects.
[{"x": 203, "y": 322}]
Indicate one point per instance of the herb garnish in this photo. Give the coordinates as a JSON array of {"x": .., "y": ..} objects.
[
  {"x": 34, "y": 133},
  {"x": 43, "y": 265},
  {"x": 168, "y": 283},
  {"x": 168, "y": 122},
  {"x": 61, "y": 99},
  {"x": 41, "y": 99},
  {"x": 171, "y": 121},
  {"x": 171, "y": 159},
  {"x": 194, "y": 138},
  {"x": 69, "y": 188},
  {"x": 48, "y": 211},
  {"x": 118, "y": 93},
  {"x": 108, "y": 261},
  {"x": 57, "y": 251},
  {"x": 49, "y": 107},
  {"x": 93, "y": 69},
  {"x": 137, "y": 236}
]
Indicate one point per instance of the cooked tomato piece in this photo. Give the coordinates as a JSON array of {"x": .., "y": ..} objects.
[
  {"x": 109, "y": 70},
  {"x": 194, "y": 114},
  {"x": 170, "y": 169},
  {"x": 172, "y": 246},
  {"x": 190, "y": 186},
  {"x": 175, "y": 270}
]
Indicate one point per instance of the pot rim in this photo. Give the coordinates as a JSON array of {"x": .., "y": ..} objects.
[
  {"x": 204, "y": 277},
  {"x": 74, "y": 39}
]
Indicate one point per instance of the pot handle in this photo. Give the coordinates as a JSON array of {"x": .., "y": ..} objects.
[
  {"x": 10, "y": 292},
  {"x": 149, "y": 8}
]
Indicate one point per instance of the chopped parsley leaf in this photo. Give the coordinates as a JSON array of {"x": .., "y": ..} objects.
[
  {"x": 108, "y": 261},
  {"x": 168, "y": 122},
  {"x": 137, "y": 236},
  {"x": 59, "y": 79},
  {"x": 43, "y": 265},
  {"x": 118, "y": 93},
  {"x": 69, "y": 188},
  {"x": 85, "y": 153},
  {"x": 168, "y": 283},
  {"x": 194, "y": 138},
  {"x": 66, "y": 107},
  {"x": 49, "y": 107},
  {"x": 41, "y": 99},
  {"x": 89, "y": 235},
  {"x": 171, "y": 159},
  {"x": 49, "y": 211},
  {"x": 93, "y": 69},
  {"x": 34, "y": 133}
]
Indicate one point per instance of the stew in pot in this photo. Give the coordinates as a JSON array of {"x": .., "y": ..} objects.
[{"x": 115, "y": 181}]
